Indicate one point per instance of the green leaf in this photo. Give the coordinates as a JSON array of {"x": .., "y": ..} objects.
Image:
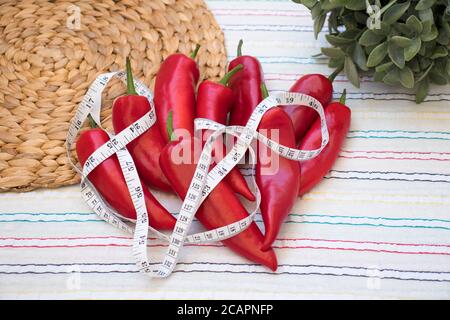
[
  {"x": 392, "y": 77},
  {"x": 397, "y": 55},
  {"x": 404, "y": 29},
  {"x": 413, "y": 49},
  {"x": 307, "y": 3},
  {"x": 422, "y": 90},
  {"x": 385, "y": 29},
  {"x": 370, "y": 38},
  {"x": 430, "y": 35},
  {"x": 438, "y": 78},
  {"x": 349, "y": 21},
  {"x": 425, "y": 74},
  {"x": 351, "y": 71},
  {"x": 426, "y": 15},
  {"x": 378, "y": 76},
  {"x": 443, "y": 37},
  {"x": 448, "y": 67},
  {"x": 350, "y": 33},
  {"x": 424, "y": 4},
  {"x": 422, "y": 50},
  {"x": 333, "y": 22},
  {"x": 329, "y": 5},
  {"x": 359, "y": 56},
  {"x": 407, "y": 77},
  {"x": 395, "y": 12},
  {"x": 338, "y": 41},
  {"x": 341, "y": 3},
  {"x": 425, "y": 62},
  {"x": 446, "y": 24},
  {"x": 318, "y": 24},
  {"x": 414, "y": 23},
  {"x": 369, "y": 49},
  {"x": 430, "y": 47},
  {"x": 356, "y": 5},
  {"x": 377, "y": 55},
  {"x": 336, "y": 62},
  {"x": 384, "y": 67},
  {"x": 414, "y": 65},
  {"x": 439, "y": 52},
  {"x": 316, "y": 11},
  {"x": 360, "y": 17},
  {"x": 400, "y": 41},
  {"x": 387, "y": 6},
  {"x": 333, "y": 52}
]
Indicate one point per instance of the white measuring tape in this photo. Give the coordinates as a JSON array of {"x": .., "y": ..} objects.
[{"x": 203, "y": 181}]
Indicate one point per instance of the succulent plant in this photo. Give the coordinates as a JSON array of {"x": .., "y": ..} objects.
[{"x": 398, "y": 42}]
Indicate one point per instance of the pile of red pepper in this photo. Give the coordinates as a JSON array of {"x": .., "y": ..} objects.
[{"x": 178, "y": 101}]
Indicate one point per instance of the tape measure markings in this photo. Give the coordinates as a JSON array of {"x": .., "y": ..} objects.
[{"x": 203, "y": 182}]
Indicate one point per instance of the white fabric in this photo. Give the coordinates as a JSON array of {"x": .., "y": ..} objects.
[{"x": 377, "y": 227}]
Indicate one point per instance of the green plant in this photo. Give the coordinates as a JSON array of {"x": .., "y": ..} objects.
[{"x": 399, "y": 42}]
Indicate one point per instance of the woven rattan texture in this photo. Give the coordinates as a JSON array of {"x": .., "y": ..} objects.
[{"x": 51, "y": 51}]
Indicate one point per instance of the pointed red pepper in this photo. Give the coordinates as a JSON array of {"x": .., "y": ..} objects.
[
  {"x": 279, "y": 178},
  {"x": 175, "y": 86},
  {"x": 108, "y": 179},
  {"x": 317, "y": 86},
  {"x": 246, "y": 86},
  {"x": 214, "y": 100},
  {"x": 146, "y": 148},
  {"x": 220, "y": 208},
  {"x": 338, "y": 117}
]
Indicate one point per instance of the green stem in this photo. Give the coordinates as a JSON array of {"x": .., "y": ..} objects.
[
  {"x": 195, "y": 52},
  {"x": 239, "y": 48},
  {"x": 130, "y": 84},
  {"x": 343, "y": 96},
  {"x": 332, "y": 76},
  {"x": 169, "y": 126},
  {"x": 226, "y": 78},
  {"x": 92, "y": 123},
  {"x": 264, "y": 91}
]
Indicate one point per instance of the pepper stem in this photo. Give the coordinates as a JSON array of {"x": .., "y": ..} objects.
[
  {"x": 130, "y": 84},
  {"x": 343, "y": 96},
  {"x": 92, "y": 123},
  {"x": 194, "y": 53},
  {"x": 239, "y": 48},
  {"x": 169, "y": 126},
  {"x": 332, "y": 76},
  {"x": 264, "y": 91},
  {"x": 226, "y": 78}
]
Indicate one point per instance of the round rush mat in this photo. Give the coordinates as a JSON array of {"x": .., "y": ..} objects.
[{"x": 50, "y": 52}]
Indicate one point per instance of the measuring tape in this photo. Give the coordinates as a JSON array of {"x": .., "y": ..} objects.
[{"x": 203, "y": 181}]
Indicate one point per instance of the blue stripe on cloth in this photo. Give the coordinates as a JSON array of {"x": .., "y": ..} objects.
[{"x": 291, "y": 214}]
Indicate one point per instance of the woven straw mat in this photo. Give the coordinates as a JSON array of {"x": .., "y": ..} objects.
[{"x": 51, "y": 51}]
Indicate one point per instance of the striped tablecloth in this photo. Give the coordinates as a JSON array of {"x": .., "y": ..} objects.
[{"x": 377, "y": 227}]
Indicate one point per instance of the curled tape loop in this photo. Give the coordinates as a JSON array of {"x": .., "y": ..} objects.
[{"x": 203, "y": 181}]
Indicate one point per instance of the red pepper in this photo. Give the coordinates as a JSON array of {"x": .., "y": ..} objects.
[
  {"x": 338, "y": 117},
  {"x": 108, "y": 179},
  {"x": 279, "y": 184},
  {"x": 246, "y": 86},
  {"x": 145, "y": 149},
  {"x": 214, "y": 101},
  {"x": 316, "y": 85},
  {"x": 175, "y": 87},
  {"x": 220, "y": 208}
]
